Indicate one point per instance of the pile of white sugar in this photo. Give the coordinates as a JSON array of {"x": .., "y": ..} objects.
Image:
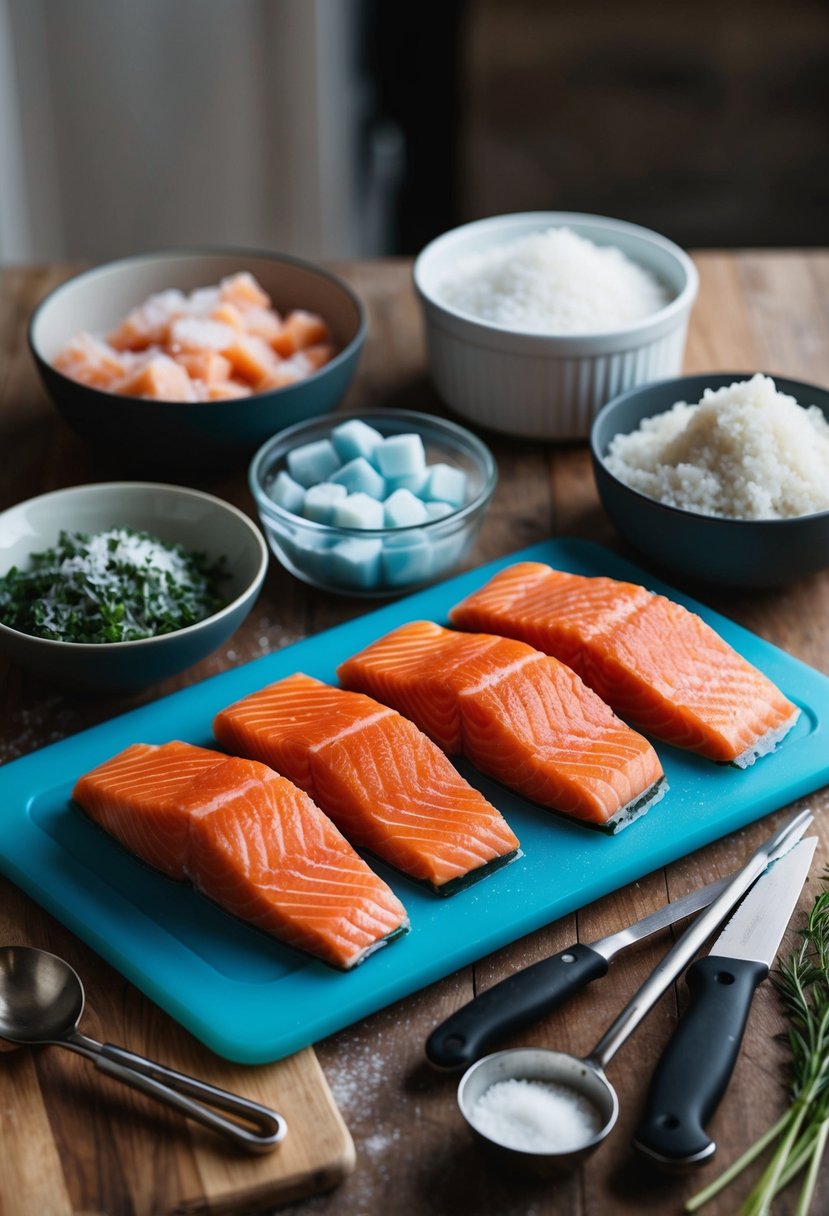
[
  {"x": 745, "y": 451},
  {"x": 553, "y": 282},
  {"x": 535, "y": 1116}
]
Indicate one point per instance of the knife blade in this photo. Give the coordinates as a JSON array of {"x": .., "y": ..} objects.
[
  {"x": 694, "y": 1070},
  {"x": 529, "y": 994}
]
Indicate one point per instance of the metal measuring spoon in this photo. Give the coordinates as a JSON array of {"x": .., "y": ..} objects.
[
  {"x": 41, "y": 1002},
  {"x": 585, "y": 1077}
]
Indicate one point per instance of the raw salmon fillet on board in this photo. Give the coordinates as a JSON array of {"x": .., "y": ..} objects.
[
  {"x": 518, "y": 715},
  {"x": 660, "y": 666},
  {"x": 250, "y": 840},
  {"x": 387, "y": 786}
]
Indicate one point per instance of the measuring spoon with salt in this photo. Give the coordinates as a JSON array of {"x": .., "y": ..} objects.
[{"x": 583, "y": 1080}]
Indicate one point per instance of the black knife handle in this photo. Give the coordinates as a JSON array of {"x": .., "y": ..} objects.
[
  {"x": 515, "y": 1002},
  {"x": 694, "y": 1069}
]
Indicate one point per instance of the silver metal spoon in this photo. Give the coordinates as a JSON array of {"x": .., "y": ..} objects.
[
  {"x": 585, "y": 1077},
  {"x": 41, "y": 1002}
]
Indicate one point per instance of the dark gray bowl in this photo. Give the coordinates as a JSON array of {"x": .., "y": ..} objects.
[
  {"x": 726, "y": 552},
  {"x": 180, "y": 434}
]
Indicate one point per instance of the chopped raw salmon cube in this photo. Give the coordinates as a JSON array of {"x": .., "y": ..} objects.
[
  {"x": 263, "y": 322},
  {"x": 317, "y": 356},
  {"x": 200, "y": 333},
  {"x": 202, "y": 301},
  {"x": 224, "y": 390},
  {"x": 253, "y": 360},
  {"x": 287, "y": 371},
  {"x": 161, "y": 378},
  {"x": 206, "y": 365},
  {"x": 148, "y": 325},
  {"x": 228, "y": 314},
  {"x": 242, "y": 290},
  {"x": 91, "y": 361},
  {"x": 299, "y": 330}
]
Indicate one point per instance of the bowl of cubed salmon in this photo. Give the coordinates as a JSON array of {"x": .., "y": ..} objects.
[
  {"x": 192, "y": 358},
  {"x": 372, "y": 505}
]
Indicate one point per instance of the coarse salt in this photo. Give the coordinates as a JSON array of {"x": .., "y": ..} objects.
[
  {"x": 535, "y": 1116},
  {"x": 745, "y": 451},
  {"x": 553, "y": 282}
]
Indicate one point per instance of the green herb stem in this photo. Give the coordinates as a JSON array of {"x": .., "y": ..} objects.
[
  {"x": 807, "y": 1193},
  {"x": 751, "y": 1154},
  {"x": 759, "y": 1200}
]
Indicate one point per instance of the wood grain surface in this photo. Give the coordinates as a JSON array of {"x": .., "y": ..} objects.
[{"x": 756, "y": 311}]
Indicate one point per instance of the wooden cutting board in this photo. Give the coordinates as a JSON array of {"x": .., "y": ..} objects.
[{"x": 75, "y": 1142}]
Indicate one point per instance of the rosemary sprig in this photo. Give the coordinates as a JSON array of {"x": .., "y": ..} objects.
[{"x": 800, "y": 1135}]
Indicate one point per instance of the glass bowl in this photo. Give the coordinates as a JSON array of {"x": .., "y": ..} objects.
[{"x": 375, "y": 562}]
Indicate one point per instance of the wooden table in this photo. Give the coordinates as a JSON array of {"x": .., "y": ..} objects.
[{"x": 756, "y": 310}]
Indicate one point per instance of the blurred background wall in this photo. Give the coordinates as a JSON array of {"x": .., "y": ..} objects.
[{"x": 336, "y": 128}]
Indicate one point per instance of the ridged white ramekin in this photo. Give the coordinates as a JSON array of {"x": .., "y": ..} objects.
[{"x": 549, "y": 386}]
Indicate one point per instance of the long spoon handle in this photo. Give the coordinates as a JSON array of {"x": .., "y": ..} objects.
[
  {"x": 695, "y": 936},
  {"x": 258, "y": 1129}
]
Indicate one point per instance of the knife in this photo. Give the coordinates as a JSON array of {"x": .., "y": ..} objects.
[
  {"x": 527, "y": 995},
  {"x": 693, "y": 1071}
]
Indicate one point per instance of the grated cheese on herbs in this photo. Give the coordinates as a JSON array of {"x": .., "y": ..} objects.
[{"x": 113, "y": 586}]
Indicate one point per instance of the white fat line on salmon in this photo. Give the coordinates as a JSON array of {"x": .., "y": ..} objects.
[
  {"x": 495, "y": 677},
  {"x": 224, "y": 796},
  {"x": 353, "y": 728}
]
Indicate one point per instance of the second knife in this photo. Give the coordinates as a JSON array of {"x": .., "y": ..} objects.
[
  {"x": 695, "y": 1067},
  {"x": 536, "y": 990}
]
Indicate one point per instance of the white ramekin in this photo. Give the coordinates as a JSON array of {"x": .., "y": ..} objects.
[{"x": 549, "y": 386}]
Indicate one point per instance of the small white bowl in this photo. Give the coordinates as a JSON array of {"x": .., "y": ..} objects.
[
  {"x": 175, "y": 515},
  {"x": 549, "y": 386}
]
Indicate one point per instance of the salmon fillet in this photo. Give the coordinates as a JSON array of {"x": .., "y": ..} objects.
[
  {"x": 140, "y": 798},
  {"x": 660, "y": 666},
  {"x": 382, "y": 781},
  {"x": 518, "y": 715},
  {"x": 250, "y": 840}
]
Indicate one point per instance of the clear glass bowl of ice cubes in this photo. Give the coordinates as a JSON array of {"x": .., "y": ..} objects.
[{"x": 372, "y": 504}]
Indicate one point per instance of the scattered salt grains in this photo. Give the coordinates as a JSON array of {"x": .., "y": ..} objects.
[
  {"x": 379, "y": 1143},
  {"x": 553, "y": 282},
  {"x": 535, "y": 1116},
  {"x": 357, "y": 1078},
  {"x": 745, "y": 451}
]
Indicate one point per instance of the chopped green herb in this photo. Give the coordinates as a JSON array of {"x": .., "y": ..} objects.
[{"x": 115, "y": 586}]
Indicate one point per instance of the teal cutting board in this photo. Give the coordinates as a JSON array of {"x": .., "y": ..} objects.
[{"x": 252, "y": 1000}]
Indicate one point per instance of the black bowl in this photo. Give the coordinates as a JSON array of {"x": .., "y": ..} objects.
[
  {"x": 706, "y": 548},
  {"x": 192, "y": 435}
]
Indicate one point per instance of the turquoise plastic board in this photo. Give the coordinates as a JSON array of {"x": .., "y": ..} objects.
[{"x": 252, "y": 1000}]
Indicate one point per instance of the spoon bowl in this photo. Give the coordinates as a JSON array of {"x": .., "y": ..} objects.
[
  {"x": 582, "y": 1077},
  {"x": 41, "y": 996},
  {"x": 586, "y": 1077},
  {"x": 41, "y": 1002}
]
